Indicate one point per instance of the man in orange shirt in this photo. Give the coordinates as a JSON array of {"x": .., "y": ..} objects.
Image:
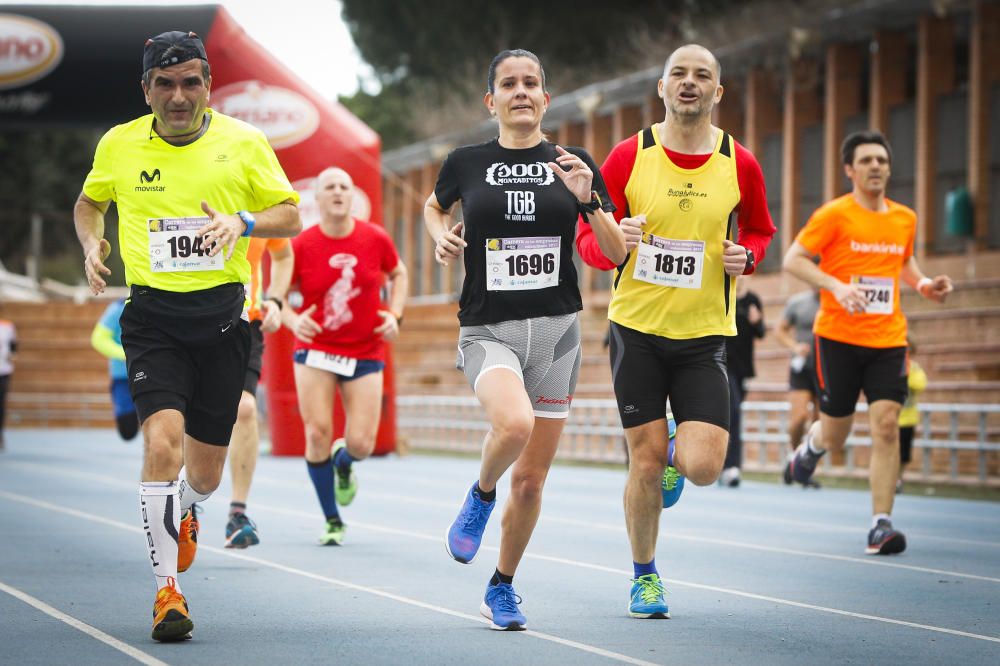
[
  {"x": 265, "y": 317},
  {"x": 865, "y": 245}
]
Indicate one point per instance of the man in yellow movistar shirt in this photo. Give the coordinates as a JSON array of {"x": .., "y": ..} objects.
[{"x": 185, "y": 180}]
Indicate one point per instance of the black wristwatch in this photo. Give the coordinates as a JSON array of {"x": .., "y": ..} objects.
[
  {"x": 592, "y": 206},
  {"x": 276, "y": 301},
  {"x": 751, "y": 262}
]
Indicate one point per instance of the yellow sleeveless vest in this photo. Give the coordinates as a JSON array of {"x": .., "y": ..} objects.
[{"x": 674, "y": 285}]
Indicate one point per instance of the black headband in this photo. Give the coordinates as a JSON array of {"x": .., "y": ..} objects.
[{"x": 171, "y": 48}]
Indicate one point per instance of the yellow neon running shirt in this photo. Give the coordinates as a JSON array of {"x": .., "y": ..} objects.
[
  {"x": 685, "y": 209},
  {"x": 231, "y": 166}
]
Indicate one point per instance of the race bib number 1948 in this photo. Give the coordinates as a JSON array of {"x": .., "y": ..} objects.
[{"x": 174, "y": 246}]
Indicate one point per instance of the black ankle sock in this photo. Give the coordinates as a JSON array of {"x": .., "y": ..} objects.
[
  {"x": 237, "y": 507},
  {"x": 486, "y": 496},
  {"x": 501, "y": 578}
]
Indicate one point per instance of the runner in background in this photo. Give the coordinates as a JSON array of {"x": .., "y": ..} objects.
[
  {"x": 909, "y": 415},
  {"x": 8, "y": 348},
  {"x": 265, "y": 317},
  {"x": 340, "y": 266},
  {"x": 865, "y": 245},
  {"x": 106, "y": 338},
  {"x": 795, "y": 332},
  {"x": 740, "y": 367}
]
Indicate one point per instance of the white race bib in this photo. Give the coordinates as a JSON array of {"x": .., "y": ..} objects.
[
  {"x": 879, "y": 291},
  {"x": 517, "y": 264},
  {"x": 339, "y": 365},
  {"x": 669, "y": 263},
  {"x": 173, "y": 246}
]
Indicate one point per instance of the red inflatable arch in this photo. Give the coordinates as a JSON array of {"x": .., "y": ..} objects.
[{"x": 53, "y": 52}]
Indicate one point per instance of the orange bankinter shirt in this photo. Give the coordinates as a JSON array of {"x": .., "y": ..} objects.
[
  {"x": 255, "y": 252},
  {"x": 857, "y": 245}
]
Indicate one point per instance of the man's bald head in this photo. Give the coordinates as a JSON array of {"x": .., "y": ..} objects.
[
  {"x": 693, "y": 50},
  {"x": 332, "y": 173}
]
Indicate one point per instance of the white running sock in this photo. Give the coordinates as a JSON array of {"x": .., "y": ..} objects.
[
  {"x": 811, "y": 445},
  {"x": 187, "y": 493},
  {"x": 879, "y": 516},
  {"x": 161, "y": 520}
]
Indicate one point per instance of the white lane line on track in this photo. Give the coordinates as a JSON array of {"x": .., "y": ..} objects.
[
  {"x": 672, "y": 581},
  {"x": 83, "y": 627},
  {"x": 583, "y": 647},
  {"x": 585, "y": 524},
  {"x": 263, "y": 479}
]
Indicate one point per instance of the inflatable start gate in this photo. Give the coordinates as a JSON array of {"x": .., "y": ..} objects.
[{"x": 52, "y": 57}]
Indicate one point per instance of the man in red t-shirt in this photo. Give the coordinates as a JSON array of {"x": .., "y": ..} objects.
[{"x": 340, "y": 267}]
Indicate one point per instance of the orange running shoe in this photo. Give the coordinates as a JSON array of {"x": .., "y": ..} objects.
[
  {"x": 170, "y": 615},
  {"x": 187, "y": 540}
]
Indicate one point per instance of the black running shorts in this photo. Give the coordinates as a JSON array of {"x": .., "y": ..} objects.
[
  {"x": 197, "y": 370},
  {"x": 647, "y": 369},
  {"x": 844, "y": 370},
  {"x": 804, "y": 379},
  {"x": 256, "y": 362}
]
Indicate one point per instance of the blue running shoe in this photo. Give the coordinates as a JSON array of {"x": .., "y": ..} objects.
[
  {"x": 647, "y": 598},
  {"x": 466, "y": 534},
  {"x": 500, "y": 606},
  {"x": 241, "y": 532}
]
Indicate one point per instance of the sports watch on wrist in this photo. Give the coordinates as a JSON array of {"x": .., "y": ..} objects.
[
  {"x": 248, "y": 219},
  {"x": 751, "y": 262},
  {"x": 591, "y": 206}
]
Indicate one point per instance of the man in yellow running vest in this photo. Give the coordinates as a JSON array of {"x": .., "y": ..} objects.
[
  {"x": 691, "y": 203},
  {"x": 191, "y": 186}
]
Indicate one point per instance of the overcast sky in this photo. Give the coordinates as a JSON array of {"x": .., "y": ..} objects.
[{"x": 307, "y": 36}]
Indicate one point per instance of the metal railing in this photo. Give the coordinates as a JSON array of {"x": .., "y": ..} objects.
[
  {"x": 593, "y": 433},
  {"x": 50, "y": 408}
]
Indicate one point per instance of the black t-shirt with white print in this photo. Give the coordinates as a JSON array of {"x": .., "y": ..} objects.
[{"x": 520, "y": 222}]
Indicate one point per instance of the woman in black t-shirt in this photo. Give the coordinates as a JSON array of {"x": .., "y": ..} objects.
[{"x": 521, "y": 199}]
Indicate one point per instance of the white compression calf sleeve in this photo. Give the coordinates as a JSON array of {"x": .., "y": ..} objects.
[
  {"x": 188, "y": 494},
  {"x": 161, "y": 520}
]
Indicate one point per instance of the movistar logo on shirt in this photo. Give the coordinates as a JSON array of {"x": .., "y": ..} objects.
[
  {"x": 877, "y": 248},
  {"x": 146, "y": 179},
  {"x": 535, "y": 173}
]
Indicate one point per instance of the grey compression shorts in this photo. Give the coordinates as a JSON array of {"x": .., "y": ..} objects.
[{"x": 544, "y": 352}]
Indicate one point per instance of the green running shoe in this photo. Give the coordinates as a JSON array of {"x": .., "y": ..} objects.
[
  {"x": 673, "y": 486},
  {"x": 346, "y": 486},
  {"x": 334, "y": 534}
]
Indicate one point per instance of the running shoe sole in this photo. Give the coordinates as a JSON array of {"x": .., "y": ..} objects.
[
  {"x": 893, "y": 545},
  {"x": 650, "y": 616},
  {"x": 486, "y": 612},
  {"x": 447, "y": 547},
  {"x": 172, "y": 629},
  {"x": 243, "y": 538}
]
